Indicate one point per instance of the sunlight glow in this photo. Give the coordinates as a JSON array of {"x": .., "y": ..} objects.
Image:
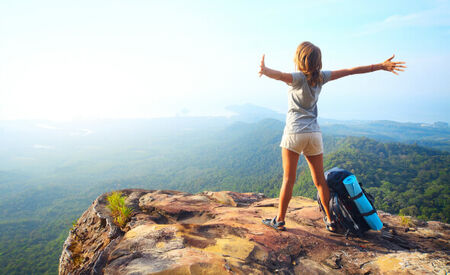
[{"x": 61, "y": 60}]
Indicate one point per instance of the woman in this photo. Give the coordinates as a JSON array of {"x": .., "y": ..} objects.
[{"x": 302, "y": 133}]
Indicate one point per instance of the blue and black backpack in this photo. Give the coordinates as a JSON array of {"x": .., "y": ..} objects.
[{"x": 345, "y": 209}]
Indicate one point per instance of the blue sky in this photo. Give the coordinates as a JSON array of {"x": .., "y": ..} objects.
[{"x": 102, "y": 59}]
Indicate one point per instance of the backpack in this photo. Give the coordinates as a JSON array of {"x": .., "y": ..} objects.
[{"x": 343, "y": 210}]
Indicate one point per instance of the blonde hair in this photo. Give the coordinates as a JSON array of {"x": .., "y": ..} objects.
[{"x": 308, "y": 60}]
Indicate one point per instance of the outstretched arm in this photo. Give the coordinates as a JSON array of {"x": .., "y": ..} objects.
[
  {"x": 286, "y": 77},
  {"x": 387, "y": 65}
]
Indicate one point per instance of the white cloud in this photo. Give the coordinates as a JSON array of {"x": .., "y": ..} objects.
[
  {"x": 81, "y": 132},
  {"x": 436, "y": 17},
  {"x": 46, "y": 126},
  {"x": 40, "y": 146}
]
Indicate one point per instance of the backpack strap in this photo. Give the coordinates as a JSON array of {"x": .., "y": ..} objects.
[
  {"x": 369, "y": 213},
  {"x": 357, "y": 196}
]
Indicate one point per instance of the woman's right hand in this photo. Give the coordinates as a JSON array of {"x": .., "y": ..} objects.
[
  {"x": 262, "y": 68},
  {"x": 391, "y": 66}
]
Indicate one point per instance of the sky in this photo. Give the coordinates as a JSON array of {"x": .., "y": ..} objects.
[{"x": 63, "y": 60}]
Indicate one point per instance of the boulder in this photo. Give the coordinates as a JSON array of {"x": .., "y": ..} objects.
[{"x": 173, "y": 232}]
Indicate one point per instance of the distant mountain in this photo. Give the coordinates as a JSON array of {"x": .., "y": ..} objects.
[
  {"x": 252, "y": 113},
  {"x": 435, "y": 135}
]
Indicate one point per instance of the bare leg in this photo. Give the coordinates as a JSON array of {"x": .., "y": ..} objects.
[
  {"x": 316, "y": 166},
  {"x": 290, "y": 160}
]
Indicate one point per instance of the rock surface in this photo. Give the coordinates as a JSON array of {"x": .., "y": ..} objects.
[{"x": 172, "y": 232}]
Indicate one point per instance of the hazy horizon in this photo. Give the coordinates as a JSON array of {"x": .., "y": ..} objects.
[
  {"x": 227, "y": 114},
  {"x": 63, "y": 60}
]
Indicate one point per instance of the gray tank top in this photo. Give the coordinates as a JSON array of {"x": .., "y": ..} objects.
[{"x": 302, "y": 104}]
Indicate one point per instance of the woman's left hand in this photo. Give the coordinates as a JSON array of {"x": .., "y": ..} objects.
[{"x": 262, "y": 68}]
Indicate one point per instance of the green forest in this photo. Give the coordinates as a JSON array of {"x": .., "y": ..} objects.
[{"x": 40, "y": 201}]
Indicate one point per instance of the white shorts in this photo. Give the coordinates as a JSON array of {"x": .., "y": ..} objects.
[{"x": 310, "y": 144}]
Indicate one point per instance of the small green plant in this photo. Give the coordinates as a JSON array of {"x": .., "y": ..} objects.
[
  {"x": 406, "y": 221},
  {"x": 115, "y": 202},
  {"x": 119, "y": 209},
  {"x": 74, "y": 223}
]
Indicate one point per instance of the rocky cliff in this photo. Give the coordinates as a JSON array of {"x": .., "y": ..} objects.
[{"x": 173, "y": 232}]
